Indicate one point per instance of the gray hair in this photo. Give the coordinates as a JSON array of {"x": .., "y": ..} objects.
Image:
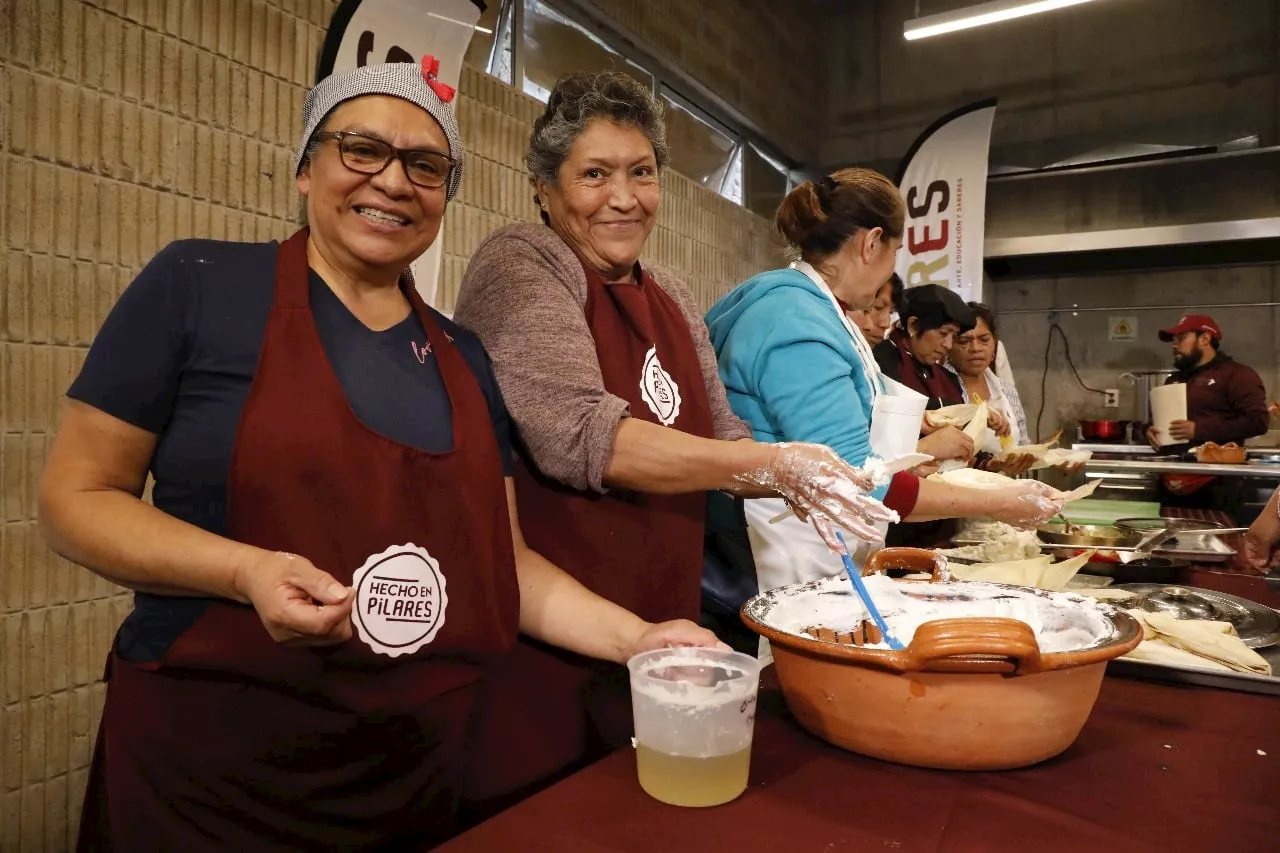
[
  {"x": 309, "y": 152},
  {"x": 580, "y": 98}
]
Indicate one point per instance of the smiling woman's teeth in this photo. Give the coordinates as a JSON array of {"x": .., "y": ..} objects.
[{"x": 380, "y": 216}]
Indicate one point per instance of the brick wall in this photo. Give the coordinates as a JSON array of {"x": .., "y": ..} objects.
[{"x": 125, "y": 124}]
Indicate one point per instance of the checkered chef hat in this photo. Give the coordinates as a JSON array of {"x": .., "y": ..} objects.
[{"x": 415, "y": 83}]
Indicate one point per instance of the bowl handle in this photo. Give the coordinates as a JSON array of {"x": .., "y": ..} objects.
[
  {"x": 987, "y": 636},
  {"x": 909, "y": 559}
]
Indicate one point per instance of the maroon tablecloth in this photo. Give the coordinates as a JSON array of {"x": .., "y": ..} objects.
[{"x": 1158, "y": 767}]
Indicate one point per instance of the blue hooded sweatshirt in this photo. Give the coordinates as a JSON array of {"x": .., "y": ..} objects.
[{"x": 789, "y": 366}]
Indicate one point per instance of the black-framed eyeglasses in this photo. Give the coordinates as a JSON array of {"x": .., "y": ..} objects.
[{"x": 369, "y": 156}]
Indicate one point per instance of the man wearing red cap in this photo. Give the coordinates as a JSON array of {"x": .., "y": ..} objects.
[{"x": 1226, "y": 402}]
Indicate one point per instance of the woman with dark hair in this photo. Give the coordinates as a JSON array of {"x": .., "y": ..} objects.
[
  {"x": 611, "y": 382},
  {"x": 972, "y": 361},
  {"x": 796, "y": 369},
  {"x": 915, "y": 350},
  {"x": 876, "y": 321}
]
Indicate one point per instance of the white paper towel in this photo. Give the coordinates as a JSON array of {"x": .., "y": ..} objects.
[{"x": 1168, "y": 404}]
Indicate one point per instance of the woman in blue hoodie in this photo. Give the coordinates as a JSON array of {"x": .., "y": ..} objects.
[{"x": 796, "y": 369}]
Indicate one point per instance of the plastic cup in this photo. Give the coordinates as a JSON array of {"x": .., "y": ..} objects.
[{"x": 695, "y": 712}]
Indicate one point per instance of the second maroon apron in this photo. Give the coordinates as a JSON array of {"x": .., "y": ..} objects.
[
  {"x": 547, "y": 712},
  {"x": 236, "y": 741}
]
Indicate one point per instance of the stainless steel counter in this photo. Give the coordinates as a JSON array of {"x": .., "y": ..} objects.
[
  {"x": 1161, "y": 466},
  {"x": 1112, "y": 448}
]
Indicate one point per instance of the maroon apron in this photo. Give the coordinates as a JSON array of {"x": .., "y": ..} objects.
[
  {"x": 237, "y": 741},
  {"x": 547, "y": 712}
]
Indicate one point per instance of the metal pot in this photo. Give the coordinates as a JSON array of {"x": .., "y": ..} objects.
[
  {"x": 1104, "y": 430},
  {"x": 966, "y": 694},
  {"x": 1088, "y": 536},
  {"x": 1145, "y": 570}
]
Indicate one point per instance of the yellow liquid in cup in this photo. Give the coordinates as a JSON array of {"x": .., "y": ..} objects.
[{"x": 683, "y": 780}]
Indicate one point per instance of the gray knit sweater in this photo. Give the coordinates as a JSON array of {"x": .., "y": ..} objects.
[{"x": 523, "y": 294}]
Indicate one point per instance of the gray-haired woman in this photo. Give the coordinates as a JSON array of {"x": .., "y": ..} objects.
[{"x": 611, "y": 381}]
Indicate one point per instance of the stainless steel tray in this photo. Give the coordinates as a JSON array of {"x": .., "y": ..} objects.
[
  {"x": 1246, "y": 682},
  {"x": 1257, "y": 624},
  {"x": 1200, "y": 548}
]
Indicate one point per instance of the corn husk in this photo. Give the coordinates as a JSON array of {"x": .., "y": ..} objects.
[
  {"x": 1040, "y": 572},
  {"x": 1059, "y": 456},
  {"x": 975, "y": 478},
  {"x": 977, "y": 426},
  {"x": 1058, "y": 575},
  {"x": 1081, "y": 492},
  {"x": 1194, "y": 642},
  {"x": 958, "y": 415},
  {"x": 1048, "y": 454},
  {"x": 1036, "y": 450}
]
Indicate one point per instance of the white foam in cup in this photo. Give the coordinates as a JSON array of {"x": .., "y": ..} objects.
[{"x": 694, "y": 718}]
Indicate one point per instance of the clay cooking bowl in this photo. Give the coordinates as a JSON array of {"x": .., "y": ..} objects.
[{"x": 966, "y": 694}]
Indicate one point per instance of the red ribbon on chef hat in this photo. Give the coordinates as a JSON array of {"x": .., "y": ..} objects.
[{"x": 430, "y": 70}]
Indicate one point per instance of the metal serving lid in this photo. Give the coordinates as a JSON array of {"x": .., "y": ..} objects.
[{"x": 1257, "y": 624}]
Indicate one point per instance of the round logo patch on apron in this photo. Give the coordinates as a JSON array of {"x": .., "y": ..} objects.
[
  {"x": 400, "y": 600},
  {"x": 659, "y": 390}
]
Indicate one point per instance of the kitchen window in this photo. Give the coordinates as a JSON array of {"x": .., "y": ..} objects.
[
  {"x": 702, "y": 150},
  {"x": 704, "y": 146},
  {"x": 767, "y": 182}
]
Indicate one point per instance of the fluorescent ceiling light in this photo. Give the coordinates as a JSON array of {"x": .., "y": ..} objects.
[
  {"x": 476, "y": 27},
  {"x": 980, "y": 15}
]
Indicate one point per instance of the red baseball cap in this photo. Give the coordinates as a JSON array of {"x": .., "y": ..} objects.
[{"x": 1192, "y": 323}]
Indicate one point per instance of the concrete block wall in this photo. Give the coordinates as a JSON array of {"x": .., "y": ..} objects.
[
  {"x": 1251, "y": 333},
  {"x": 125, "y": 124},
  {"x": 764, "y": 58}
]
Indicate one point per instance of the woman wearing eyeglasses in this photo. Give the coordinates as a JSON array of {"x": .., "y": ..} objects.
[{"x": 332, "y": 560}]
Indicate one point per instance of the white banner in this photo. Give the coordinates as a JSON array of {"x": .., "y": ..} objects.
[
  {"x": 943, "y": 179},
  {"x": 368, "y": 32}
]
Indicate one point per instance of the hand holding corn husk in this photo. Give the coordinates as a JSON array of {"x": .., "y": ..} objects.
[{"x": 976, "y": 429}]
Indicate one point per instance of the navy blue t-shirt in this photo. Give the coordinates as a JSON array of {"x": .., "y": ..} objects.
[{"x": 176, "y": 357}]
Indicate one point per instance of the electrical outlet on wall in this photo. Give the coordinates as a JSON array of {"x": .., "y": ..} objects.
[{"x": 1111, "y": 398}]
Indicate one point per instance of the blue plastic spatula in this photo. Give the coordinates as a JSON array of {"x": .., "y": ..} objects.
[{"x": 861, "y": 589}]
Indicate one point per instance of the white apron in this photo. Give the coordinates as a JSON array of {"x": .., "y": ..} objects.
[{"x": 791, "y": 550}]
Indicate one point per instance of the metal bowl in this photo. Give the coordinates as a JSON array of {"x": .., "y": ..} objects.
[{"x": 1088, "y": 536}]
